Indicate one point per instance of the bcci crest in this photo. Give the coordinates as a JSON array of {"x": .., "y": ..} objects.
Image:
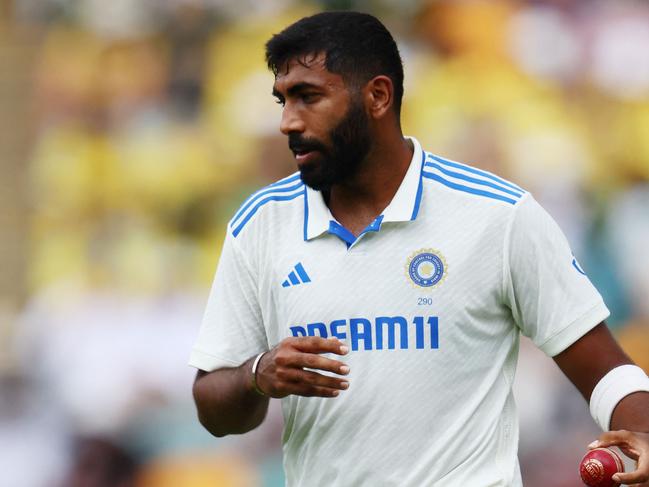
[{"x": 426, "y": 267}]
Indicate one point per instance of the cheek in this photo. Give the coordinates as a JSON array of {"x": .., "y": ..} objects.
[
  {"x": 328, "y": 122},
  {"x": 322, "y": 117},
  {"x": 319, "y": 125}
]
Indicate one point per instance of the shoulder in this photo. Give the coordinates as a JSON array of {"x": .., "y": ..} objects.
[
  {"x": 476, "y": 186},
  {"x": 287, "y": 193}
]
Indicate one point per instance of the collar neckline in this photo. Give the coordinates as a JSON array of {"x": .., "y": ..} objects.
[{"x": 403, "y": 207}]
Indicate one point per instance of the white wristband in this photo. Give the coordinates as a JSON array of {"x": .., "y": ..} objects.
[{"x": 612, "y": 388}]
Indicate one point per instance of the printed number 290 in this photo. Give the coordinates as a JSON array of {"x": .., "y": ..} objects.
[{"x": 424, "y": 301}]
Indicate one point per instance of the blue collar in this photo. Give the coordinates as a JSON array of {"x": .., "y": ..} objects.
[{"x": 318, "y": 220}]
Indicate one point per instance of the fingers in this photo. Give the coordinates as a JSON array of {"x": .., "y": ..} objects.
[
  {"x": 318, "y": 345},
  {"x": 638, "y": 477},
  {"x": 623, "y": 439},
  {"x": 629, "y": 479},
  {"x": 634, "y": 445},
  {"x": 282, "y": 370},
  {"x": 301, "y": 360},
  {"x": 313, "y": 378},
  {"x": 305, "y": 352},
  {"x": 609, "y": 438},
  {"x": 308, "y": 383}
]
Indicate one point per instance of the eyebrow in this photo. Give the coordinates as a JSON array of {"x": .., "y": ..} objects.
[{"x": 295, "y": 89}]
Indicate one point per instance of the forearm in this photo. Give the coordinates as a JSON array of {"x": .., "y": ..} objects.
[
  {"x": 632, "y": 413},
  {"x": 227, "y": 402},
  {"x": 226, "y": 399}
]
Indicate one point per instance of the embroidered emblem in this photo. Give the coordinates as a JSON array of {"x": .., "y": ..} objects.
[{"x": 426, "y": 268}]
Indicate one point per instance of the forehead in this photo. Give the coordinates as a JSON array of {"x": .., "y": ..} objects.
[{"x": 306, "y": 69}]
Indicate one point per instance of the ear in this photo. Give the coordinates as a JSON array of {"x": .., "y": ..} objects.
[{"x": 379, "y": 96}]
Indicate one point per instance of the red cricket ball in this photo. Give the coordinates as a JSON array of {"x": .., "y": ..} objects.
[{"x": 597, "y": 467}]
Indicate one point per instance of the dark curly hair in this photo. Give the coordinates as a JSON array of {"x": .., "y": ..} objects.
[{"x": 357, "y": 46}]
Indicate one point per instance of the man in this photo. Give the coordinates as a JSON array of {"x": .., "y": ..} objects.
[{"x": 381, "y": 291}]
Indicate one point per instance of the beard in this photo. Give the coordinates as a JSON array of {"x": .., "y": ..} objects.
[{"x": 341, "y": 159}]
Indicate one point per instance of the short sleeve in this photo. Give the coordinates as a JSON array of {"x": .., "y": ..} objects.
[
  {"x": 232, "y": 329},
  {"x": 552, "y": 300}
]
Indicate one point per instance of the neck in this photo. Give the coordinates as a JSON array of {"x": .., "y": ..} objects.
[{"x": 357, "y": 202}]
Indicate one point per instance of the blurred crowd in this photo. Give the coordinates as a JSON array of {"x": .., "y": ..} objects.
[{"x": 150, "y": 122}]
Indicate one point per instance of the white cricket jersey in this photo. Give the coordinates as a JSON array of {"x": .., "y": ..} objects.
[{"x": 430, "y": 299}]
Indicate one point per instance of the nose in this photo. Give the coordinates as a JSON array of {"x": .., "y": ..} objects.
[{"x": 291, "y": 121}]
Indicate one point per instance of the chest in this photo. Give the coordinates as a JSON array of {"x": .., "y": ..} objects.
[{"x": 407, "y": 287}]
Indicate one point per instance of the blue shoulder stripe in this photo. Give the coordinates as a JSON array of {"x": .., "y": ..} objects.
[
  {"x": 273, "y": 188},
  {"x": 468, "y": 189},
  {"x": 415, "y": 210},
  {"x": 473, "y": 170},
  {"x": 471, "y": 179},
  {"x": 287, "y": 179},
  {"x": 261, "y": 203}
]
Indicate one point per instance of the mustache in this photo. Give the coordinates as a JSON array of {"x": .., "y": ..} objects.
[{"x": 298, "y": 143}]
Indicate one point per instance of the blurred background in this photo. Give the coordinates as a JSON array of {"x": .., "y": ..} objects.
[{"x": 131, "y": 130}]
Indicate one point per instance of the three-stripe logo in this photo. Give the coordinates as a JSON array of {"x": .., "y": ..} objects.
[{"x": 297, "y": 276}]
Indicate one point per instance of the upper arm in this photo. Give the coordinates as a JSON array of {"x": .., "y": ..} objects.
[
  {"x": 232, "y": 329},
  {"x": 201, "y": 378},
  {"x": 225, "y": 402},
  {"x": 590, "y": 358},
  {"x": 196, "y": 390},
  {"x": 551, "y": 299}
]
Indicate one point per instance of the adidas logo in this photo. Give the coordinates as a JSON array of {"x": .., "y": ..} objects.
[{"x": 297, "y": 276}]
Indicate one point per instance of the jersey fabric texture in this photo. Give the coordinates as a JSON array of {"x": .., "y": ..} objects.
[{"x": 430, "y": 298}]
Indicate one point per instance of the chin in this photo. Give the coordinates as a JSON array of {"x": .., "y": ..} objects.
[
  {"x": 312, "y": 180},
  {"x": 311, "y": 175}
]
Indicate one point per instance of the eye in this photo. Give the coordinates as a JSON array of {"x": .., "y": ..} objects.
[
  {"x": 310, "y": 97},
  {"x": 279, "y": 101}
]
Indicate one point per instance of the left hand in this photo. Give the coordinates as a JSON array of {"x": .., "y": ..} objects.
[{"x": 634, "y": 445}]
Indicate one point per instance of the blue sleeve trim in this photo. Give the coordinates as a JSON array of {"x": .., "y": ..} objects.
[
  {"x": 470, "y": 179},
  {"x": 260, "y": 194},
  {"x": 479, "y": 172},
  {"x": 468, "y": 189},
  {"x": 237, "y": 230}
]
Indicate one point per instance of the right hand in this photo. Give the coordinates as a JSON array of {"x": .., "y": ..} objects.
[{"x": 281, "y": 370}]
